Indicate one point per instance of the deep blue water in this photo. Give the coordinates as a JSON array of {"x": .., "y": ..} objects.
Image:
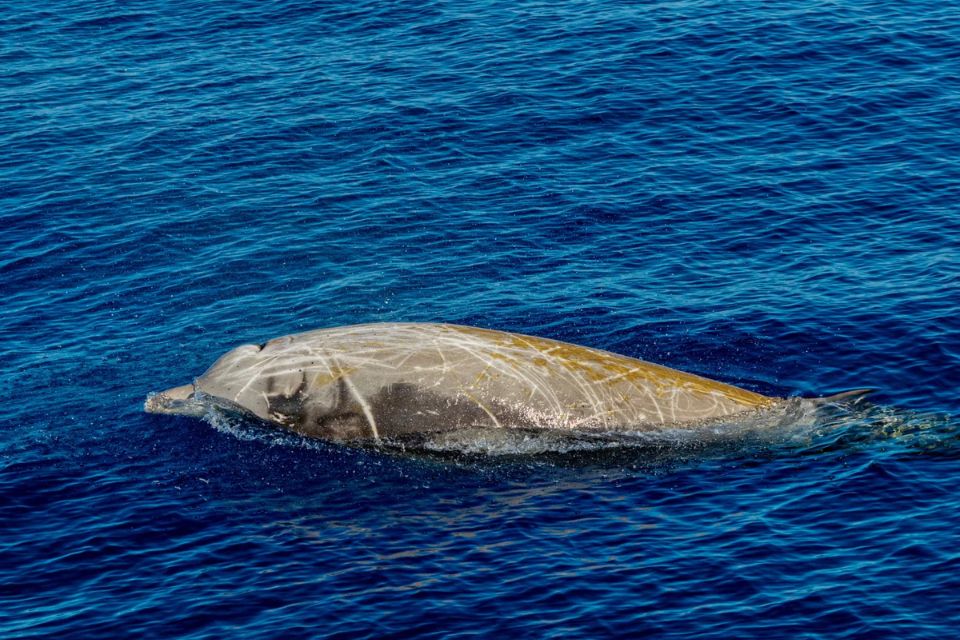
[{"x": 763, "y": 193}]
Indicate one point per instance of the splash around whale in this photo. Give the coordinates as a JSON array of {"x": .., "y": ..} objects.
[{"x": 384, "y": 381}]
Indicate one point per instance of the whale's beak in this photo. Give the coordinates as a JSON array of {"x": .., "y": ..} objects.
[{"x": 177, "y": 401}]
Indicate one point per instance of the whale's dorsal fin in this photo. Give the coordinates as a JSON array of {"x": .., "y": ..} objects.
[{"x": 853, "y": 396}]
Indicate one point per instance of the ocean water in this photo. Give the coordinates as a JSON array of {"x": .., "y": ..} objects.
[{"x": 763, "y": 193}]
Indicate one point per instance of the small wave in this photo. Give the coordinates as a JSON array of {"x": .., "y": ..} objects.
[{"x": 240, "y": 427}]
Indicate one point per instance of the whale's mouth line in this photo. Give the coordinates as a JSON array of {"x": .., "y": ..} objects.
[
  {"x": 187, "y": 400},
  {"x": 180, "y": 401}
]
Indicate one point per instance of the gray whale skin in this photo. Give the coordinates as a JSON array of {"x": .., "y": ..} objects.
[{"x": 380, "y": 381}]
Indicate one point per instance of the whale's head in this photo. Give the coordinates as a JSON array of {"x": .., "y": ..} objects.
[
  {"x": 220, "y": 385},
  {"x": 289, "y": 382},
  {"x": 268, "y": 381}
]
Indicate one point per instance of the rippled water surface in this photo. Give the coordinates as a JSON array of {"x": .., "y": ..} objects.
[{"x": 766, "y": 194}]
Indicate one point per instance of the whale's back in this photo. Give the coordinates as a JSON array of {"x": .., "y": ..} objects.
[{"x": 394, "y": 378}]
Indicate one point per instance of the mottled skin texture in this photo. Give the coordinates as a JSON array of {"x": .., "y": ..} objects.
[{"x": 383, "y": 380}]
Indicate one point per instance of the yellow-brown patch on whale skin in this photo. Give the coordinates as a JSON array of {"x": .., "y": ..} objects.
[
  {"x": 600, "y": 366},
  {"x": 324, "y": 377}
]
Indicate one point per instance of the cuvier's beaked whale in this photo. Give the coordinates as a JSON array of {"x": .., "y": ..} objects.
[{"x": 376, "y": 381}]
